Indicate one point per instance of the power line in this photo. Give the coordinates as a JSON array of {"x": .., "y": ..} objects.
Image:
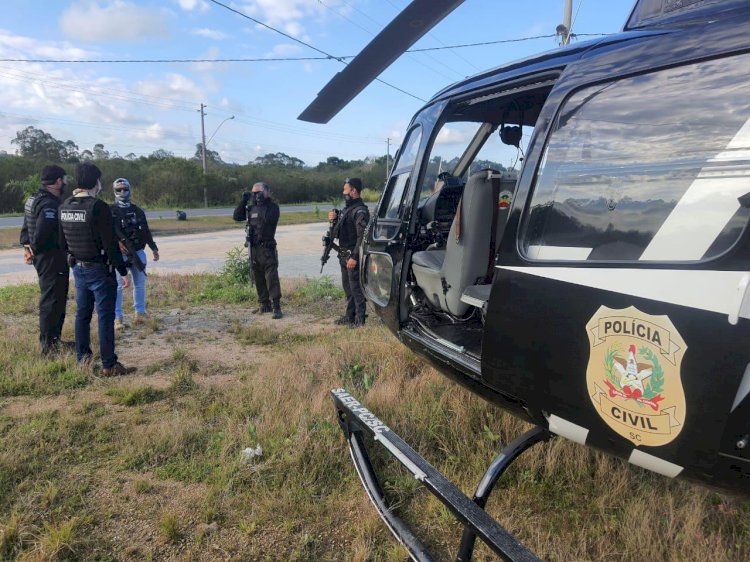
[
  {"x": 308, "y": 45},
  {"x": 340, "y": 58}
]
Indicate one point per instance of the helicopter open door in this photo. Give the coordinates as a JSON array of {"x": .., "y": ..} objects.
[
  {"x": 620, "y": 309},
  {"x": 385, "y": 246}
]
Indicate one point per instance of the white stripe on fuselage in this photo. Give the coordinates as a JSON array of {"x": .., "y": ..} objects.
[
  {"x": 714, "y": 291},
  {"x": 706, "y": 207}
]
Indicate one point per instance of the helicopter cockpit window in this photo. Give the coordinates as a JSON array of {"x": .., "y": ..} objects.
[{"x": 636, "y": 170}]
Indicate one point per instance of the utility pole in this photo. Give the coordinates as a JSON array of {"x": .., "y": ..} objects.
[
  {"x": 387, "y": 158},
  {"x": 564, "y": 29},
  {"x": 203, "y": 136}
]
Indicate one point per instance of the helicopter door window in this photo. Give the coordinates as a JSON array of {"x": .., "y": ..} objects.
[
  {"x": 391, "y": 207},
  {"x": 637, "y": 171}
]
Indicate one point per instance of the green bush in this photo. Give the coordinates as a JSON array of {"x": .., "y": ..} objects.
[{"x": 237, "y": 266}]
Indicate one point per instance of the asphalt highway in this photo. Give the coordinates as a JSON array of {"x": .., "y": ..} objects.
[
  {"x": 299, "y": 248},
  {"x": 16, "y": 222}
]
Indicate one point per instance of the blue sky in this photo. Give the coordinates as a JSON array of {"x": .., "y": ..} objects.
[{"x": 142, "y": 107}]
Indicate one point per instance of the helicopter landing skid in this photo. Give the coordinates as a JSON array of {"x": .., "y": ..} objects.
[{"x": 357, "y": 422}]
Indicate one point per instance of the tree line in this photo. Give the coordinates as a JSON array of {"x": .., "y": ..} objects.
[{"x": 162, "y": 179}]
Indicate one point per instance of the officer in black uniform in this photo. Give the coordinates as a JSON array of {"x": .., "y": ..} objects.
[
  {"x": 87, "y": 231},
  {"x": 350, "y": 231},
  {"x": 41, "y": 243},
  {"x": 262, "y": 216}
]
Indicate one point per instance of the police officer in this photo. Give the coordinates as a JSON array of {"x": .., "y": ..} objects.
[
  {"x": 350, "y": 231},
  {"x": 262, "y": 216},
  {"x": 88, "y": 234},
  {"x": 131, "y": 224},
  {"x": 41, "y": 243}
]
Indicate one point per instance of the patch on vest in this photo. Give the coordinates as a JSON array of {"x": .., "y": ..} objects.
[
  {"x": 50, "y": 213},
  {"x": 73, "y": 216}
]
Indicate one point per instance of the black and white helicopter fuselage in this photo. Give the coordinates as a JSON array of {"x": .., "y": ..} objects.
[{"x": 601, "y": 291}]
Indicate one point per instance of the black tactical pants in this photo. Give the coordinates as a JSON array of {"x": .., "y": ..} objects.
[
  {"x": 356, "y": 305},
  {"x": 53, "y": 288},
  {"x": 265, "y": 265}
]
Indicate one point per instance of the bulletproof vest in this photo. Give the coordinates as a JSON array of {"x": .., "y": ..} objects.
[
  {"x": 127, "y": 219},
  {"x": 347, "y": 233},
  {"x": 76, "y": 219},
  {"x": 256, "y": 218},
  {"x": 31, "y": 208}
]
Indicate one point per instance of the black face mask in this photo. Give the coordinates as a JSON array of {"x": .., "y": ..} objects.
[
  {"x": 347, "y": 199},
  {"x": 259, "y": 197},
  {"x": 62, "y": 188}
]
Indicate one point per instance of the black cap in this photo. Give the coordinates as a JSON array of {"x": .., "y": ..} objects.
[
  {"x": 356, "y": 183},
  {"x": 50, "y": 174},
  {"x": 87, "y": 174}
]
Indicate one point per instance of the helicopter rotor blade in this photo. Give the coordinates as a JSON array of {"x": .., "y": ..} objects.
[{"x": 410, "y": 25}]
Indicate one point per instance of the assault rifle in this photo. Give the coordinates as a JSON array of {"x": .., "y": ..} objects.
[
  {"x": 129, "y": 243},
  {"x": 250, "y": 251},
  {"x": 328, "y": 243}
]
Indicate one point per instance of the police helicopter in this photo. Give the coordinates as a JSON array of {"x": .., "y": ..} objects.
[{"x": 601, "y": 292}]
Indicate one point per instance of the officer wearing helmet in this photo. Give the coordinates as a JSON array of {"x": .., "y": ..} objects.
[
  {"x": 262, "y": 216},
  {"x": 41, "y": 242}
]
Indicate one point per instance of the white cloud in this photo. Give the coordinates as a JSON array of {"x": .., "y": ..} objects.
[
  {"x": 284, "y": 50},
  {"x": 114, "y": 21},
  {"x": 214, "y": 34},
  {"x": 448, "y": 135},
  {"x": 289, "y": 15},
  {"x": 190, "y": 5},
  {"x": 17, "y": 46},
  {"x": 173, "y": 85}
]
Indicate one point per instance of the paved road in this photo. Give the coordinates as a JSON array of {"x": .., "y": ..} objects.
[
  {"x": 299, "y": 248},
  {"x": 16, "y": 222}
]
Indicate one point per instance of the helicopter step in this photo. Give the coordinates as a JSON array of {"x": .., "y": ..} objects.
[{"x": 360, "y": 426}]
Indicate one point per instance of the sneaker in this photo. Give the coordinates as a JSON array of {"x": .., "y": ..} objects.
[
  {"x": 277, "y": 312},
  {"x": 117, "y": 370},
  {"x": 343, "y": 321},
  {"x": 140, "y": 318},
  {"x": 119, "y": 324}
]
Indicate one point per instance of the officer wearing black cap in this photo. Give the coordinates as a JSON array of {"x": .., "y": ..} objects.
[
  {"x": 350, "y": 231},
  {"x": 88, "y": 234},
  {"x": 262, "y": 216},
  {"x": 41, "y": 243}
]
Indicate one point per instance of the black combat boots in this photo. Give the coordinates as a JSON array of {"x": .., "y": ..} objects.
[{"x": 276, "y": 310}]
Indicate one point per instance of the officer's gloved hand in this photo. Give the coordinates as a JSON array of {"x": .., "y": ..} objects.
[{"x": 245, "y": 197}]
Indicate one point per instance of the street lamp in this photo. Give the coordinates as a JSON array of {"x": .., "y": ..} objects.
[{"x": 203, "y": 151}]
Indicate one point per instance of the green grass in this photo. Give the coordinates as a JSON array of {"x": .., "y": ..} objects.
[
  {"x": 19, "y": 299},
  {"x": 135, "y": 396},
  {"x": 132, "y": 468}
]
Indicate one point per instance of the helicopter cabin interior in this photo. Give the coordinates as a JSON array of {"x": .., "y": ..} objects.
[{"x": 464, "y": 200}]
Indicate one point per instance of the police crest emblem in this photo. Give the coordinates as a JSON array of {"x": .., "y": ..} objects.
[{"x": 633, "y": 374}]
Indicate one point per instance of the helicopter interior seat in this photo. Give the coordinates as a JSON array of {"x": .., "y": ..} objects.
[
  {"x": 443, "y": 275},
  {"x": 479, "y": 295}
]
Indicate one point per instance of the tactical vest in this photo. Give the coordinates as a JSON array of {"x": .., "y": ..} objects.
[
  {"x": 30, "y": 210},
  {"x": 256, "y": 218},
  {"x": 76, "y": 219},
  {"x": 347, "y": 232},
  {"x": 127, "y": 219}
]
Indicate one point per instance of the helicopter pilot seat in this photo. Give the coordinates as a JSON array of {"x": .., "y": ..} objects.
[{"x": 443, "y": 275}]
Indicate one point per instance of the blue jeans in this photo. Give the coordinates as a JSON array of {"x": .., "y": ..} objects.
[
  {"x": 95, "y": 285},
  {"x": 139, "y": 288}
]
